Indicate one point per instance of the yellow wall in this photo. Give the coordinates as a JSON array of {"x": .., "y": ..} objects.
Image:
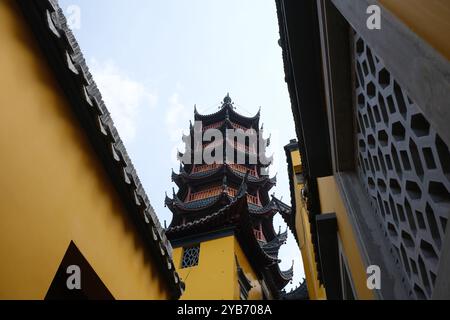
[
  {"x": 256, "y": 291},
  {"x": 215, "y": 276},
  {"x": 53, "y": 188},
  {"x": 316, "y": 291},
  {"x": 330, "y": 201},
  {"x": 430, "y": 19}
]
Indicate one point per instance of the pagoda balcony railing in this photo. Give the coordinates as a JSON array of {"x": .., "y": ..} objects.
[
  {"x": 215, "y": 191},
  {"x": 205, "y": 167},
  {"x": 253, "y": 200},
  {"x": 243, "y": 148},
  {"x": 234, "y": 166},
  {"x": 242, "y": 169},
  {"x": 211, "y": 192},
  {"x": 237, "y": 146}
]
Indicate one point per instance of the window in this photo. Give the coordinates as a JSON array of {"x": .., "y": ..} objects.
[{"x": 190, "y": 256}]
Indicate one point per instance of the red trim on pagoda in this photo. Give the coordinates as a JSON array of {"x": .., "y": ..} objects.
[
  {"x": 213, "y": 197},
  {"x": 215, "y": 191},
  {"x": 238, "y": 167}
]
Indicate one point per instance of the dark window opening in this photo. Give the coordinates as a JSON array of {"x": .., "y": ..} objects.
[{"x": 190, "y": 256}]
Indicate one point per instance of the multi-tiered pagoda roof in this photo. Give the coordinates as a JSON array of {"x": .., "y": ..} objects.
[{"x": 223, "y": 196}]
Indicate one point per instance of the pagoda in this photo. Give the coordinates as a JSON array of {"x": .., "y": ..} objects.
[{"x": 225, "y": 207}]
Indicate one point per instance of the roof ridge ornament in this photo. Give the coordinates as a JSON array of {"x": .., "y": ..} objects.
[
  {"x": 227, "y": 102},
  {"x": 227, "y": 99}
]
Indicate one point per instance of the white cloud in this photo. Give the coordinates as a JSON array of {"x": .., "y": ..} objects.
[
  {"x": 124, "y": 97},
  {"x": 177, "y": 120}
]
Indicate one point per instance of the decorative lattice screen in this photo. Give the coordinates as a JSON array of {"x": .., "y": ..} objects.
[
  {"x": 190, "y": 256},
  {"x": 405, "y": 167}
]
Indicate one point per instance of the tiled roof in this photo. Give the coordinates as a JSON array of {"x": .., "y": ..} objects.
[
  {"x": 226, "y": 109},
  {"x": 63, "y": 53},
  {"x": 272, "y": 247},
  {"x": 224, "y": 167},
  {"x": 299, "y": 293},
  {"x": 193, "y": 205}
]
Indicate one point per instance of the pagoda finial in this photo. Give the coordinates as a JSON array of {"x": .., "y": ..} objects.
[
  {"x": 227, "y": 99},
  {"x": 173, "y": 192}
]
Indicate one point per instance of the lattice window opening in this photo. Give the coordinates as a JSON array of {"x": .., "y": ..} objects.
[
  {"x": 405, "y": 167},
  {"x": 190, "y": 256}
]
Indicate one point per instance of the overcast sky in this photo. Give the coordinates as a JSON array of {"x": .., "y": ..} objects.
[{"x": 153, "y": 60}]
